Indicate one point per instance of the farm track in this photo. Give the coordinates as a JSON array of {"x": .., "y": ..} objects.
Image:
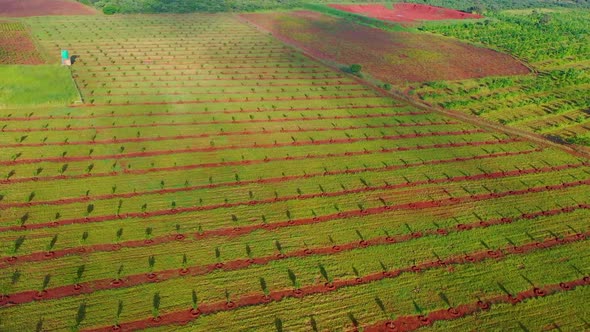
[
  {"x": 415, "y": 322},
  {"x": 233, "y": 147},
  {"x": 341, "y": 215},
  {"x": 257, "y": 161},
  {"x": 185, "y": 316},
  {"x": 494, "y": 175},
  {"x": 225, "y": 133}
]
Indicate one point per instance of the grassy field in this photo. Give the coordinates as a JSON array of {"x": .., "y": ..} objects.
[
  {"x": 43, "y": 85},
  {"x": 215, "y": 177}
]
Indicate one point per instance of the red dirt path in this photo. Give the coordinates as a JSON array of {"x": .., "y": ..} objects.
[
  {"x": 24, "y": 8},
  {"x": 407, "y": 12}
]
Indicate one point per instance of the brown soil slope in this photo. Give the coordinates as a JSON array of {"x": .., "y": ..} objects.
[
  {"x": 395, "y": 57},
  {"x": 23, "y": 8}
]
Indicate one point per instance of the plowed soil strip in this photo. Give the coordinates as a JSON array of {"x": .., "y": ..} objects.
[
  {"x": 495, "y": 175},
  {"x": 341, "y": 215},
  {"x": 226, "y": 133},
  {"x": 193, "y": 93},
  {"x": 257, "y": 161},
  {"x": 247, "y": 111},
  {"x": 232, "y": 147},
  {"x": 185, "y": 316},
  {"x": 169, "y": 238},
  {"x": 200, "y": 123},
  {"x": 415, "y": 322}
]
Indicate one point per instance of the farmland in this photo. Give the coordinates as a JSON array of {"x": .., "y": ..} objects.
[
  {"x": 396, "y": 57},
  {"x": 554, "y": 102},
  {"x": 406, "y": 12},
  {"x": 16, "y": 47},
  {"x": 213, "y": 176}
]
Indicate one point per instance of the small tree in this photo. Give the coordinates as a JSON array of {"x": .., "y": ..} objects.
[
  {"x": 80, "y": 315},
  {"x": 355, "y": 68},
  {"x": 119, "y": 312},
  {"x": 156, "y": 305},
  {"x": 194, "y": 300}
]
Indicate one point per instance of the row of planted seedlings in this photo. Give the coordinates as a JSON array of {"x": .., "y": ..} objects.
[
  {"x": 284, "y": 112},
  {"x": 113, "y": 34},
  {"x": 264, "y": 147},
  {"x": 284, "y": 149},
  {"x": 279, "y": 169},
  {"x": 337, "y": 265},
  {"x": 205, "y": 73},
  {"x": 268, "y": 93},
  {"x": 188, "y": 178},
  {"x": 259, "y": 84},
  {"x": 65, "y": 113},
  {"x": 328, "y": 200},
  {"x": 187, "y": 88},
  {"x": 502, "y": 315},
  {"x": 104, "y": 138},
  {"x": 186, "y": 52},
  {"x": 351, "y": 201},
  {"x": 180, "y": 97},
  {"x": 46, "y": 171}
]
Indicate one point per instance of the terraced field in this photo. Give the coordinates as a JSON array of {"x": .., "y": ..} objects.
[{"x": 215, "y": 177}]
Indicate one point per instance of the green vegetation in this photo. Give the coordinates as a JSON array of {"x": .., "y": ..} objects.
[
  {"x": 554, "y": 102},
  {"x": 496, "y": 5},
  {"x": 209, "y": 162},
  {"x": 24, "y": 86}
]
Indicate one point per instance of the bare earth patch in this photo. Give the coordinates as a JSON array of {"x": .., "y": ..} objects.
[
  {"x": 407, "y": 12},
  {"x": 24, "y": 8},
  {"x": 16, "y": 46},
  {"x": 394, "y": 57}
]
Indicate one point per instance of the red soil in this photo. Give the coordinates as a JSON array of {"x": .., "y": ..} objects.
[
  {"x": 337, "y": 117},
  {"x": 23, "y": 8},
  {"x": 407, "y": 12},
  {"x": 233, "y": 147},
  {"x": 257, "y": 161},
  {"x": 16, "y": 47},
  {"x": 259, "y": 110},
  {"x": 415, "y": 322},
  {"x": 347, "y": 214},
  {"x": 185, "y": 316},
  {"x": 239, "y": 264},
  {"x": 396, "y": 57},
  {"x": 258, "y": 133},
  {"x": 72, "y": 200}
]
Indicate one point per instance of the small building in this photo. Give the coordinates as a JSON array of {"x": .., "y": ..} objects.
[{"x": 65, "y": 58}]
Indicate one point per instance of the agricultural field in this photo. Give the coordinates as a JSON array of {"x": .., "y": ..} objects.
[
  {"x": 16, "y": 46},
  {"x": 19, "y": 8},
  {"x": 396, "y": 57},
  {"x": 213, "y": 176},
  {"x": 554, "y": 102}
]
